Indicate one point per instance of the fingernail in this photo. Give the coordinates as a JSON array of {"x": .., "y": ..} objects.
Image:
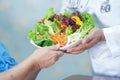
[
  {"x": 68, "y": 51},
  {"x": 57, "y": 46}
]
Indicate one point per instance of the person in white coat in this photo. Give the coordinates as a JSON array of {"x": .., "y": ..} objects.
[{"x": 103, "y": 42}]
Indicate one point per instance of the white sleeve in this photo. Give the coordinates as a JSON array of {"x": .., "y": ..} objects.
[
  {"x": 112, "y": 36},
  {"x": 64, "y": 5}
]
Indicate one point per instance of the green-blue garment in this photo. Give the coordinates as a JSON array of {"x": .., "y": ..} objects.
[{"x": 6, "y": 61}]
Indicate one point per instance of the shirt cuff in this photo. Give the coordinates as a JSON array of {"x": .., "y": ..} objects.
[{"x": 112, "y": 35}]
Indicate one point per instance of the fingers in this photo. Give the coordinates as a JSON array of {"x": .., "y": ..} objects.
[
  {"x": 76, "y": 48},
  {"x": 55, "y": 50},
  {"x": 75, "y": 52},
  {"x": 87, "y": 40},
  {"x": 91, "y": 43},
  {"x": 73, "y": 49},
  {"x": 86, "y": 43},
  {"x": 58, "y": 53},
  {"x": 81, "y": 47},
  {"x": 55, "y": 47}
]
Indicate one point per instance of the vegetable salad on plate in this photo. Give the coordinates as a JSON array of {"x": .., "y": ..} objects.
[{"x": 63, "y": 29}]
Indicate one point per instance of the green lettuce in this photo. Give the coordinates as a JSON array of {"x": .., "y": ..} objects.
[
  {"x": 53, "y": 28},
  {"x": 40, "y": 28},
  {"x": 87, "y": 25},
  {"x": 67, "y": 13},
  {"x": 49, "y": 13},
  {"x": 44, "y": 41},
  {"x": 32, "y": 35},
  {"x": 69, "y": 31}
]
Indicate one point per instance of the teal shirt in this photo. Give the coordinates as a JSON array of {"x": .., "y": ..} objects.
[{"x": 6, "y": 61}]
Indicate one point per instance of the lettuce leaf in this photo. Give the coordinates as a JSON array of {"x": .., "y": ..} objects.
[
  {"x": 44, "y": 41},
  {"x": 41, "y": 28},
  {"x": 53, "y": 28},
  {"x": 87, "y": 25},
  {"x": 69, "y": 31},
  {"x": 66, "y": 13},
  {"x": 49, "y": 13},
  {"x": 32, "y": 35}
]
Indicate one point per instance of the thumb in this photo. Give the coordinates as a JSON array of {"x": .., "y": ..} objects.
[
  {"x": 55, "y": 47},
  {"x": 87, "y": 39}
]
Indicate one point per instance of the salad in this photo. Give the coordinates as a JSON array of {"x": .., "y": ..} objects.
[{"x": 63, "y": 29}]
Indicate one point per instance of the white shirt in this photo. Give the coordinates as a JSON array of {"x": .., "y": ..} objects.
[{"x": 105, "y": 56}]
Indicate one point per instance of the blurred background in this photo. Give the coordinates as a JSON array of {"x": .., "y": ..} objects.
[{"x": 16, "y": 18}]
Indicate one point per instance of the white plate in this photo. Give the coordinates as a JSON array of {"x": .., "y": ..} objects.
[
  {"x": 31, "y": 41},
  {"x": 70, "y": 45},
  {"x": 61, "y": 48}
]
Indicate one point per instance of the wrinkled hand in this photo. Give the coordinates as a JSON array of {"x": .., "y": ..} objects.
[
  {"x": 93, "y": 37},
  {"x": 45, "y": 57}
]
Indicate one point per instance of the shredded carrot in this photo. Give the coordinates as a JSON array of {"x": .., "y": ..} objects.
[
  {"x": 59, "y": 39},
  {"x": 64, "y": 25}
]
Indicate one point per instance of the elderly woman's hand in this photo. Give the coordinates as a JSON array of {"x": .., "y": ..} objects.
[
  {"x": 93, "y": 37},
  {"x": 45, "y": 57},
  {"x": 30, "y": 67}
]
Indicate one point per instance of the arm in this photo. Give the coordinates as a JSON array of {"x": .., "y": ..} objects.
[
  {"x": 33, "y": 75},
  {"x": 9, "y": 62},
  {"x": 19, "y": 72},
  {"x": 33, "y": 63}
]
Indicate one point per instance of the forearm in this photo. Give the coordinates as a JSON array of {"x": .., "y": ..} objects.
[
  {"x": 32, "y": 75},
  {"x": 19, "y": 72},
  {"x": 41, "y": 58}
]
